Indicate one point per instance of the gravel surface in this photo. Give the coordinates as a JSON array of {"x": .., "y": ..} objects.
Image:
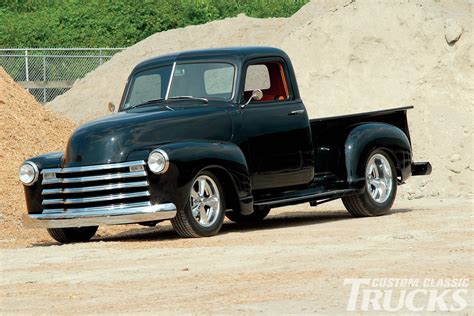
[{"x": 293, "y": 262}]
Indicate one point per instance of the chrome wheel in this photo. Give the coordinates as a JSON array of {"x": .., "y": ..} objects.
[
  {"x": 379, "y": 178},
  {"x": 205, "y": 201}
]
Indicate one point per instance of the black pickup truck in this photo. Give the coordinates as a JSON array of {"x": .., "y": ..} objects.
[{"x": 200, "y": 135}]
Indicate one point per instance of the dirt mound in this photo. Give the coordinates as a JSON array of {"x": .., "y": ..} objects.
[
  {"x": 26, "y": 129},
  {"x": 350, "y": 56}
]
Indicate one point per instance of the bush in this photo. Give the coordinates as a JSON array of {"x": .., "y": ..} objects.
[{"x": 117, "y": 23}]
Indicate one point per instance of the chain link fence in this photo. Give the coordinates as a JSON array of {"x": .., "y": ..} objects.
[{"x": 49, "y": 72}]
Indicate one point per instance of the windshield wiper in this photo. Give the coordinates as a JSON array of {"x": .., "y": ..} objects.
[
  {"x": 162, "y": 100},
  {"x": 189, "y": 97},
  {"x": 149, "y": 102}
]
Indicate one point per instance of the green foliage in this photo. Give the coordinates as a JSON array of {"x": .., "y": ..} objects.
[{"x": 117, "y": 23}]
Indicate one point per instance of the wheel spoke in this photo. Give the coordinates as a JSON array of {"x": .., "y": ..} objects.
[
  {"x": 212, "y": 202},
  {"x": 195, "y": 210},
  {"x": 376, "y": 182},
  {"x": 383, "y": 189},
  {"x": 195, "y": 195},
  {"x": 202, "y": 187},
  {"x": 203, "y": 215}
]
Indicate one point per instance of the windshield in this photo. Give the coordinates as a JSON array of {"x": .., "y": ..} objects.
[{"x": 213, "y": 81}]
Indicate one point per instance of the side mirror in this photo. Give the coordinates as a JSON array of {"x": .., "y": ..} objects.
[
  {"x": 111, "y": 107},
  {"x": 257, "y": 94}
]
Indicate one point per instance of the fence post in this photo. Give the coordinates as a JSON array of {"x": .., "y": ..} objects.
[
  {"x": 44, "y": 78},
  {"x": 27, "y": 75},
  {"x": 101, "y": 61}
]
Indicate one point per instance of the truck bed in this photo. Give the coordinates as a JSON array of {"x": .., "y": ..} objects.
[{"x": 330, "y": 133}]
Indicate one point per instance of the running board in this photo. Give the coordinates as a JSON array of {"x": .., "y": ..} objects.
[{"x": 294, "y": 199}]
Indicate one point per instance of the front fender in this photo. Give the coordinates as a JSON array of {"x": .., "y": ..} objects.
[
  {"x": 33, "y": 193},
  {"x": 187, "y": 158},
  {"x": 365, "y": 138}
]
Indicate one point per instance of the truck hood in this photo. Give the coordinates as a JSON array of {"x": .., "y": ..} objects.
[{"x": 113, "y": 138}]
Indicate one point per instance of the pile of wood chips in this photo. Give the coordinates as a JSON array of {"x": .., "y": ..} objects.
[{"x": 27, "y": 129}]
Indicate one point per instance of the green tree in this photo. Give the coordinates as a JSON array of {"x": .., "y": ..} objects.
[{"x": 117, "y": 23}]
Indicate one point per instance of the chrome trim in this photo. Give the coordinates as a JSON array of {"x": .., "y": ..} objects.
[
  {"x": 95, "y": 208},
  {"x": 35, "y": 168},
  {"x": 296, "y": 112},
  {"x": 95, "y": 167},
  {"x": 94, "y": 218},
  {"x": 205, "y": 202},
  {"x": 379, "y": 178},
  {"x": 100, "y": 198},
  {"x": 167, "y": 163},
  {"x": 105, "y": 187},
  {"x": 257, "y": 95},
  {"x": 169, "y": 82},
  {"x": 109, "y": 176}
]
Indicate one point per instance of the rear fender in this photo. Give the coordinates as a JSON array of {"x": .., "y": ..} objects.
[{"x": 365, "y": 138}]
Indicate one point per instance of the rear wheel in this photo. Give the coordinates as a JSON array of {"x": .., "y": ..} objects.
[
  {"x": 380, "y": 187},
  {"x": 204, "y": 213},
  {"x": 72, "y": 234},
  {"x": 258, "y": 215}
]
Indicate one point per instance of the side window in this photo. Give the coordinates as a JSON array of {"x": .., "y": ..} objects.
[
  {"x": 270, "y": 78},
  {"x": 257, "y": 78}
]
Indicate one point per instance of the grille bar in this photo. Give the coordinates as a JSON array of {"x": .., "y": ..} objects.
[
  {"x": 103, "y": 188},
  {"x": 101, "y": 198},
  {"x": 110, "y": 176},
  {"x": 95, "y": 167},
  {"x": 106, "y": 187},
  {"x": 97, "y": 208}
]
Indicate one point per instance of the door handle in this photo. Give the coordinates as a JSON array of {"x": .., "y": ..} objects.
[{"x": 296, "y": 112}]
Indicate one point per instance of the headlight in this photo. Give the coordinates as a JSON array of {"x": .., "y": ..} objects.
[
  {"x": 158, "y": 161},
  {"x": 29, "y": 173}
]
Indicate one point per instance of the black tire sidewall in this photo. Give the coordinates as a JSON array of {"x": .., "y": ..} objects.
[
  {"x": 375, "y": 207},
  {"x": 213, "y": 229},
  {"x": 72, "y": 234}
]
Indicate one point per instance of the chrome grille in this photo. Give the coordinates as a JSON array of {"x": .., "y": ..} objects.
[{"x": 98, "y": 187}]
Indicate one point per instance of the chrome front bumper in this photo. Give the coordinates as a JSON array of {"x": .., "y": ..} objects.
[{"x": 96, "y": 217}]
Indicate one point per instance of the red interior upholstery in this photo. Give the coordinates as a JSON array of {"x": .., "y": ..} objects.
[{"x": 278, "y": 88}]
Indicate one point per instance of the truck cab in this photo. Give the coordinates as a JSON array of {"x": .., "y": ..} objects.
[{"x": 201, "y": 135}]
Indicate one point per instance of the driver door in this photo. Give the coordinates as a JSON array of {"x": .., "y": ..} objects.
[{"x": 277, "y": 128}]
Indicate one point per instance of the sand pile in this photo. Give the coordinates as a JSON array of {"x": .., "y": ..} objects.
[
  {"x": 26, "y": 130},
  {"x": 349, "y": 56}
]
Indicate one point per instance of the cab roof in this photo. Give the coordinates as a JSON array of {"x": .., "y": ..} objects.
[{"x": 231, "y": 54}]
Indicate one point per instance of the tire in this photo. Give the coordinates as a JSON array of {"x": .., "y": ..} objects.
[
  {"x": 258, "y": 215},
  {"x": 204, "y": 213},
  {"x": 381, "y": 177},
  {"x": 69, "y": 235}
]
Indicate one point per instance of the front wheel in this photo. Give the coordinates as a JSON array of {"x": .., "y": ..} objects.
[
  {"x": 72, "y": 234},
  {"x": 380, "y": 187},
  {"x": 204, "y": 213}
]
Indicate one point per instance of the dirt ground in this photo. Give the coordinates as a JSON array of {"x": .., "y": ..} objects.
[{"x": 293, "y": 262}]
